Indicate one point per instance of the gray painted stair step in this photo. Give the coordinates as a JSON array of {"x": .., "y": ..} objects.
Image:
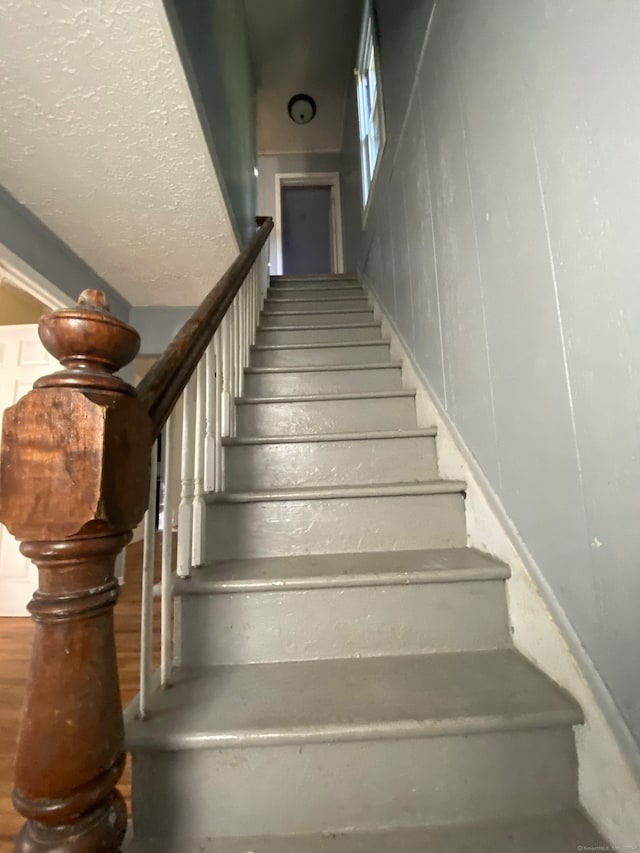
[
  {"x": 303, "y": 295},
  {"x": 336, "y": 519},
  {"x": 345, "y": 291},
  {"x": 306, "y": 283},
  {"x": 335, "y": 606},
  {"x": 304, "y": 278},
  {"x": 294, "y": 291},
  {"x": 308, "y": 318},
  {"x": 336, "y": 379},
  {"x": 317, "y": 571},
  {"x": 330, "y": 459},
  {"x": 373, "y": 698},
  {"x": 307, "y": 334},
  {"x": 302, "y": 292},
  {"x": 318, "y": 353},
  {"x": 375, "y": 742},
  {"x": 347, "y": 412},
  {"x": 336, "y": 303},
  {"x": 565, "y": 832}
]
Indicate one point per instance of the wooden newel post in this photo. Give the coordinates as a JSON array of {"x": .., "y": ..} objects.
[{"x": 74, "y": 481}]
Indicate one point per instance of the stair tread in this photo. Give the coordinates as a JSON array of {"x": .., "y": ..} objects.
[
  {"x": 321, "y": 344},
  {"x": 365, "y": 308},
  {"x": 564, "y": 832},
  {"x": 334, "y": 280},
  {"x": 352, "y": 699},
  {"x": 427, "y": 432},
  {"x": 316, "y": 287},
  {"x": 310, "y": 571},
  {"x": 273, "y": 299},
  {"x": 319, "y": 326},
  {"x": 311, "y": 277},
  {"x": 305, "y": 398},
  {"x": 338, "y": 492},
  {"x": 329, "y": 368}
]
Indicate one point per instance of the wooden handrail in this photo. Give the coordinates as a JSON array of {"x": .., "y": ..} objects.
[
  {"x": 74, "y": 482},
  {"x": 161, "y": 388}
]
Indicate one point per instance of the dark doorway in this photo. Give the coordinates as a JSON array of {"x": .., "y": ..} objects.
[{"x": 306, "y": 230}]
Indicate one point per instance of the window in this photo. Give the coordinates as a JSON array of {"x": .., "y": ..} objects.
[{"x": 370, "y": 112}]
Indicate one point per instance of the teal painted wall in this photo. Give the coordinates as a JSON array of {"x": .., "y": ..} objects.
[
  {"x": 502, "y": 240},
  {"x": 212, "y": 36}
]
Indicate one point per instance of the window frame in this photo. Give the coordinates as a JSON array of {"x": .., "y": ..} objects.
[{"x": 370, "y": 107}]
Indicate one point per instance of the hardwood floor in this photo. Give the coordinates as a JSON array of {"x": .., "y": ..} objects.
[{"x": 15, "y": 649}]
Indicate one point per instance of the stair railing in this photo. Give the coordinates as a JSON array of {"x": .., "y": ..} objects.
[{"x": 77, "y": 475}]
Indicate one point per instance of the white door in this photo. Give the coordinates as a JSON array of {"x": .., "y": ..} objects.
[{"x": 22, "y": 360}]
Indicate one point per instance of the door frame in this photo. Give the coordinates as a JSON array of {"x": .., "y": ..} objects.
[{"x": 312, "y": 179}]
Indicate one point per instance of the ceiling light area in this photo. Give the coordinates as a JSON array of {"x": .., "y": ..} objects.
[
  {"x": 302, "y": 47},
  {"x": 302, "y": 109}
]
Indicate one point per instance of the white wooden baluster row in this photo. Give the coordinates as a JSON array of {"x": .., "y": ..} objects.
[{"x": 208, "y": 416}]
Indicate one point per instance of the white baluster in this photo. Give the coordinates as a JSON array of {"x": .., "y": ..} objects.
[
  {"x": 256, "y": 308},
  {"x": 247, "y": 318},
  {"x": 166, "y": 599},
  {"x": 185, "y": 510},
  {"x": 227, "y": 376},
  {"x": 236, "y": 350},
  {"x": 242, "y": 338},
  {"x": 250, "y": 323},
  {"x": 146, "y": 622},
  {"x": 252, "y": 309},
  {"x": 233, "y": 361},
  {"x": 210, "y": 458},
  {"x": 243, "y": 322},
  {"x": 219, "y": 392},
  {"x": 199, "y": 507}
]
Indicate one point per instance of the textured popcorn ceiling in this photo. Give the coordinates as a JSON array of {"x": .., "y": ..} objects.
[{"x": 100, "y": 140}]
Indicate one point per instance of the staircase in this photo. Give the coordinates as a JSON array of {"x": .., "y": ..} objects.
[{"x": 346, "y": 680}]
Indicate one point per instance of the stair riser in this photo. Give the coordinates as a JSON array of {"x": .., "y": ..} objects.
[
  {"x": 321, "y": 304},
  {"x": 309, "y": 357},
  {"x": 310, "y": 417},
  {"x": 262, "y": 627},
  {"x": 318, "y": 284},
  {"x": 205, "y": 793},
  {"x": 320, "y": 336},
  {"x": 311, "y": 318},
  {"x": 350, "y": 291},
  {"x": 328, "y": 382},
  {"x": 389, "y": 460},
  {"x": 325, "y": 526}
]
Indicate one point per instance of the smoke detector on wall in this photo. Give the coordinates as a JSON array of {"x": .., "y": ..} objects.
[{"x": 302, "y": 108}]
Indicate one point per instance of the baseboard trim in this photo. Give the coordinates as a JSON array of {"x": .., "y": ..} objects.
[{"x": 608, "y": 754}]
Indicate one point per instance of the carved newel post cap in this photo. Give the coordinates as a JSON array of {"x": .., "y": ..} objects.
[
  {"x": 88, "y": 338},
  {"x": 82, "y": 433},
  {"x": 94, "y": 299}
]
